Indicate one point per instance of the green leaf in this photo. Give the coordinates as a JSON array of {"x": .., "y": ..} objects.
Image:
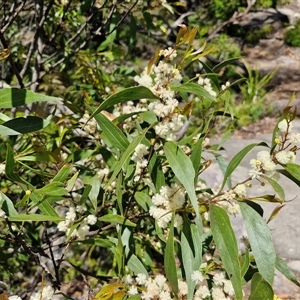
[
  {"x": 260, "y": 288},
  {"x": 34, "y": 217},
  {"x": 43, "y": 205},
  {"x": 72, "y": 181},
  {"x": 143, "y": 200},
  {"x": 227, "y": 245},
  {"x": 224, "y": 63},
  {"x": 105, "y": 243},
  {"x": 7, "y": 205},
  {"x": 191, "y": 249},
  {"x": 284, "y": 269},
  {"x": 115, "y": 136},
  {"x": 54, "y": 188},
  {"x": 135, "y": 265},
  {"x": 130, "y": 149},
  {"x": 156, "y": 172},
  {"x": 276, "y": 186},
  {"x": 261, "y": 242},
  {"x": 245, "y": 262},
  {"x": 23, "y": 125},
  {"x": 197, "y": 154},
  {"x": 117, "y": 219},
  {"x": 129, "y": 94},
  {"x": 195, "y": 89},
  {"x": 169, "y": 260},
  {"x": 95, "y": 184},
  {"x": 234, "y": 163},
  {"x": 293, "y": 170},
  {"x": 288, "y": 175},
  {"x": 223, "y": 165},
  {"x": 10, "y": 166},
  {"x": 183, "y": 170},
  {"x": 63, "y": 173},
  {"x": 13, "y": 97}
]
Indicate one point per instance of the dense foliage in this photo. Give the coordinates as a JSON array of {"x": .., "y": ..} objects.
[{"x": 101, "y": 175}]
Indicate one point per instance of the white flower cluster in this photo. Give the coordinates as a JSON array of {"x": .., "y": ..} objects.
[
  {"x": 227, "y": 199},
  {"x": 2, "y": 168},
  {"x": 139, "y": 158},
  {"x": 168, "y": 200},
  {"x": 288, "y": 143},
  {"x": 2, "y": 213},
  {"x": 90, "y": 127},
  {"x": 83, "y": 229},
  {"x": 158, "y": 81},
  {"x": 206, "y": 83},
  {"x": 158, "y": 287}
]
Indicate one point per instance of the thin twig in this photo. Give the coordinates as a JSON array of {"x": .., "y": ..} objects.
[
  {"x": 13, "y": 17},
  {"x": 12, "y": 63}
]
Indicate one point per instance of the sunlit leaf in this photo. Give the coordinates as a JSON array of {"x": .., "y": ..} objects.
[
  {"x": 135, "y": 265},
  {"x": 107, "y": 291},
  {"x": 236, "y": 160},
  {"x": 54, "y": 188},
  {"x": 129, "y": 94},
  {"x": 13, "y": 97},
  {"x": 261, "y": 242},
  {"x": 115, "y": 136},
  {"x": 33, "y": 217},
  {"x": 276, "y": 186},
  {"x": 116, "y": 219},
  {"x": 4, "y": 53},
  {"x": 130, "y": 149},
  {"x": 195, "y": 89},
  {"x": 7, "y": 205},
  {"x": 226, "y": 243}
]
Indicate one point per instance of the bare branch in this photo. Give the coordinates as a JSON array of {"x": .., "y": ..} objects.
[
  {"x": 12, "y": 63},
  {"x": 13, "y": 17}
]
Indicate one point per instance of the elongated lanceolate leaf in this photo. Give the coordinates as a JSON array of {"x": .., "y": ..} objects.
[
  {"x": 33, "y": 217},
  {"x": 169, "y": 260},
  {"x": 195, "y": 89},
  {"x": 13, "y": 97},
  {"x": 118, "y": 166},
  {"x": 226, "y": 243},
  {"x": 277, "y": 187},
  {"x": 260, "y": 288},
  {"x": 117, "y": 219},
  {"x": 191, "y": 249},
  {"x": 234, "y": 163},
  {"x": 129, "y": 94},
  {"x": 23, "y": 125},
  {"x": 136, "y": 266},
  {"x": 294, "y": 170},
  {"x": 284, "y": 269},
  {"x": 115, "y": 136},
  {"x": 7, "y": 205},
  {"x": 183, "y": 170},
  {"x": 261, "y": 242}
]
